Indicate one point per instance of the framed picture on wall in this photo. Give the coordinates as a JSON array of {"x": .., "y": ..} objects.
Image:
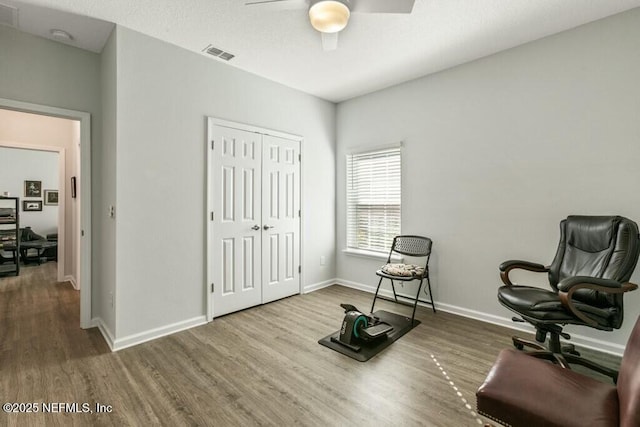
[
  {"x": 31, "y": 205},
  {"x": 51, "y": 197},
  {"x": 33, "y": 189}
]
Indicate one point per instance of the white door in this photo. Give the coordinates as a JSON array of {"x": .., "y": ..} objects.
[
  {"x": 254, "y": 233},
  {"x": 280, "y": 218},
  {"x": 235, "y": 243}
]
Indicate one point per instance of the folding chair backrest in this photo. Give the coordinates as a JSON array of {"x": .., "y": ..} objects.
[{"x": 416, "y": 246}]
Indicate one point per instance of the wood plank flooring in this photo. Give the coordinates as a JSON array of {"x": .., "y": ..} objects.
[{"x": 261, "y": 366}]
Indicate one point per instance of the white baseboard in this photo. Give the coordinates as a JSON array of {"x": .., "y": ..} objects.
[
  {"x": 318, "y": 286},
  {"x": 382, "y": 292},
  {"x": 598, "y": 345},
  {"x": 359, "y": 286},
  {"x": 139, "y": 338},
  {"x": 97, "y": 322},
  {"x": 579, "y": 340},
  {"x": 74, "y": 283}
]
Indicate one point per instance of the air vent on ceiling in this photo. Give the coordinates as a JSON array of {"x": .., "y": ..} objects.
[
  {"x": 218, "y": 53},
  {"x": 8, "y": 15}
]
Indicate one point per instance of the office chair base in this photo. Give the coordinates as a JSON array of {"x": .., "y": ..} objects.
[
  {"x": 520, "y": 343},
  {"x": 569, "y": 353}
]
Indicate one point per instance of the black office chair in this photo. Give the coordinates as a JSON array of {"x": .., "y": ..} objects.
[
  {"x": 595, "y": 259},
  {"x": 413, "y": 246}
]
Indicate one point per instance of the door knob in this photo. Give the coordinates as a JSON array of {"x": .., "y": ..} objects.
[
  {"x": 256, "y": 227},
  {"x": 266, "y": 227}
]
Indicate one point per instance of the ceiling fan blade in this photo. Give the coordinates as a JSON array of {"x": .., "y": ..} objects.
[
  {"x": 329, "y": 41},
  {"x": 278, "y": 4},
  {"x": 382, "y": 6}
]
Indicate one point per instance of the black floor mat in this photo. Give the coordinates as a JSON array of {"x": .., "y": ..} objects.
[{"x": 401, "y": 325}]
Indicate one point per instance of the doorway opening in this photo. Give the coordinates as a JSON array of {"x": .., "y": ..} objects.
[{"x": 50, "y": 151}]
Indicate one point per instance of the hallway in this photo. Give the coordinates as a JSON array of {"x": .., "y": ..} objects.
[{"x": 40, "y": 327}]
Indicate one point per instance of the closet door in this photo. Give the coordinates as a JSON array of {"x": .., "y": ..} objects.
[
  {"x": 280, "y": 218},
  {"x": 235, "y": 243}
]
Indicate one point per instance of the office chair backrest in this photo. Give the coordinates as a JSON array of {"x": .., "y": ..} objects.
[
  {"x": 416, "y": 246},
  {"x": 629, "y": 381},
  {"x": 596, "y": 246}
]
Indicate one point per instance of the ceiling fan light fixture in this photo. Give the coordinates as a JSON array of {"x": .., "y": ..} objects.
[{"x": 329, "y": 16}]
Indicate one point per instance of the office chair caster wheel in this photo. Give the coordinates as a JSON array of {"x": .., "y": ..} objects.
[
  {"x": 574, "y": 352},
  {"x": 517, "y": 343}
]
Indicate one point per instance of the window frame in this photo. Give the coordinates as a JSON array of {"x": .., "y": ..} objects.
[{"x": 381, "y": 245}]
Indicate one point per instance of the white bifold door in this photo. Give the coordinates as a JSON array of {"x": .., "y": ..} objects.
[{"x": 254, "y": 237}]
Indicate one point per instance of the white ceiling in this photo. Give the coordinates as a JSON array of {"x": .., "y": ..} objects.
[
  {"x": 374, "y": 51},
  {"x": 89, "y": 34}
]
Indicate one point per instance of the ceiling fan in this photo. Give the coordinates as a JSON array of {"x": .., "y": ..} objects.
[{"x": 329, "y": 17}]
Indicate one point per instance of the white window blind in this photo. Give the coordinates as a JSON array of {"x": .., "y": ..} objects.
[{"x": 373, "y": 199}]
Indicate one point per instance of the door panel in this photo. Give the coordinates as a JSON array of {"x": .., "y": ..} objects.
[
  {"x": 235, "y": 246},
  {"x": 281, "y": 221},
  {"x": 254, "y": 241}
]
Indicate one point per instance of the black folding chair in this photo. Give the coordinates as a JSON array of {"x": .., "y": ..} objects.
[{"x": 413, "y": 246}]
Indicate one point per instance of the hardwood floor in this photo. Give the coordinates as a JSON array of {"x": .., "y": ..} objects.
[{"x": 261, "y": 366}]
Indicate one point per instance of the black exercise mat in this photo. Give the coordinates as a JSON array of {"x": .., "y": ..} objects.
[{"x": 401, "y": 325}]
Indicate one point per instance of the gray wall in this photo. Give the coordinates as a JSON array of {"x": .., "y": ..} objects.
[
  {"x": 104, "y": 192},
  {"x": 36, "y": 70},
  {"x": 19, "y": 165},
  {"x": 498, "y": 151},
  {"x": 164, "y": 94}
]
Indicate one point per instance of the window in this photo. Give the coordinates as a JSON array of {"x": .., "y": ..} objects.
[{"x": 373, "y": 199}]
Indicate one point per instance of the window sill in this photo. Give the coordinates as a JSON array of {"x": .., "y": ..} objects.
[{"x": 372, "y": 255}]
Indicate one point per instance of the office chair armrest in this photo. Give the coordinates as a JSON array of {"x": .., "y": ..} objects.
[
  {"x": 568, "y": 286},
  {"x": 570, "y": 282},
  {"x": 507, "y": 266}
]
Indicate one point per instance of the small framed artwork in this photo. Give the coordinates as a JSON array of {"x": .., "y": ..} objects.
[
  {"x": 73, "y": 187},
  {"x": 51, "y": 197},
  {"x": 33, "y": 189},
  {"x": 31, "y": 205}
]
